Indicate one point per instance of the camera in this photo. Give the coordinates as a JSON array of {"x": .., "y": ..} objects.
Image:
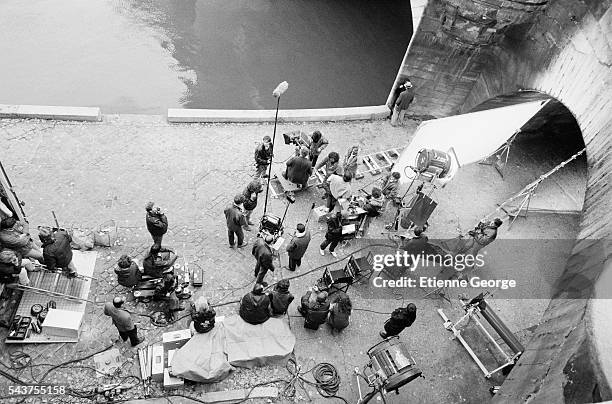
[{"x": 297, "y": 138}]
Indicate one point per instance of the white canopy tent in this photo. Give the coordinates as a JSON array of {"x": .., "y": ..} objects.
[{"x": 468, "y": 138}]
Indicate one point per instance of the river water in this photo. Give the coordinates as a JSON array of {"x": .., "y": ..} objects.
[{"x": 143, "y": 56}]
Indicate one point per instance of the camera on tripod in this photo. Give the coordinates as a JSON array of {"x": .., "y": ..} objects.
[
  {"x": 272, "y": 225},
  {"x": 297, "y": 138}
]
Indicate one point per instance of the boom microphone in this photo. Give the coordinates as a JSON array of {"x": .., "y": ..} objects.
[{"x": 280, "y": 89}]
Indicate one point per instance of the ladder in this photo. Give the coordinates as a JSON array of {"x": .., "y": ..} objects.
[
  {"x": 55, "y": 284},
  {"x": 375, "y": 163}
]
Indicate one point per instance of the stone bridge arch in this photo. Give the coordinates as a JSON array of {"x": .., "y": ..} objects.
[{"x": 465, "y": 53}]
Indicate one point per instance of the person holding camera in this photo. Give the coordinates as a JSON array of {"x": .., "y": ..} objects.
[
  {"x": 263, "y": 157},
  {"x": 317, "y": 144},
  {"x": 157, "y": 223}
]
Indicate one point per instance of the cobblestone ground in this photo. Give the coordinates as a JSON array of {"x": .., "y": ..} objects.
[{"x": 93, "y": 173}]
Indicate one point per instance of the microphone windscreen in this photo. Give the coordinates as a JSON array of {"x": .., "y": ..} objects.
[{"x": 280, "y": 89}]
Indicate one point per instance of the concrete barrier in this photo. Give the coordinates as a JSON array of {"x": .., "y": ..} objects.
[
  {"x": 51, "y": 112},
  {"x": 177, "y": 115}
]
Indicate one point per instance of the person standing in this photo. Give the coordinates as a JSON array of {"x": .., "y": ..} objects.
[
  {"x": 299, "y": 169},
  {"x": 235, "y": 220},
  {"x": 401, "y": 318},
  {"x": 339, "y": 190},
  {"x": 333, "y": 235},
  {"x": 56, "y": 250},
  {"x": 317, "y": 144},
  {"x": 483, "y": 235},
  {"x": 332, "y": 166},
  {"x": 297, "y": 246},
  {"x": 263, "y": 157},
  {"x": 351, "y": 161},
  {"x": 123, "y": 321},
  {"x": 157, "y": 223},
  {"x": 262, "y": 251},
  {"x": 250, "y": 194},
  {"x": 402, "y": 103}
]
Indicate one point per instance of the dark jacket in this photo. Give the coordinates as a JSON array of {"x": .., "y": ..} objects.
[
  {"x": 298, "y": 245},
  {"x": 255, "y": 309},
  {"x": 155, "y": 265},
  {"x": 262, "y": 156},
  {"x": 334, "y": 229},
  {"x": 16, "y": 239},
  {"x": 203, "y": 321},
  {"x": 400, "y": 319},
  {"x": 338, "y": 319},
  {"x": 128, "y": 276},
  {"x": 121, "y": 318},
  {"x": 234, "y": 217},
  {"x": 299, "y": 170},
  {"x": 57, "y": 252},
  {"x": 316, "y": 147},
  {"x": 316, "y": 314},
  {"x": 405, "y": 99},
  {"x": 157, "y": 224},
  {"x": 280, "y": 301},
  {"x": 253, "y": 188},
  {"x": 263, "y": 254}
]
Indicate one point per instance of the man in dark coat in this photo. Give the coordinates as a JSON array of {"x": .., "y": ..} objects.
[
  {"x": 401, "y": 318},
  {"x": 297, "y": 246},
  {"x": 158, "y": 260},
  {"x": 333, "y": 235},
  {"x": 202, "y": 315},
  {"x": 263, "y": 157},
  {"x": 157, "y": 223},
  {"x": 280, "y": 298},
  {"x": 235, "y": 220},
  {"x": 262, "y": 251},
  {"x": 128, "y": 272},
  {"x": 402, "y": 103},
  {"x": 255, "y": 306},
  {"x": 250, "y": 194},
  {"x": 123, "y": 321},
  {"x": 299, "y": 169},
  {"x": 56, "y": 250},
  {"x": 314, "y": 307}
]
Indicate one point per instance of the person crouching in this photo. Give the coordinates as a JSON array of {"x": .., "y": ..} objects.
[
  {"x": 202, "y": 316},
  {"x": 255, "y": 306},
  {"x": 280, "y": 298},
  {"x": 314, "y": 307},
  {"x": 128, "y": 272},
  {"x": 56, "y": 250}
]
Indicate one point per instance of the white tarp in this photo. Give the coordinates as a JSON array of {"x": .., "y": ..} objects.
[{"x": 473, "y": 136}]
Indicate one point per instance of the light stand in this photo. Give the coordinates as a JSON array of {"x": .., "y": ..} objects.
[{"x": 278, "y": 91}]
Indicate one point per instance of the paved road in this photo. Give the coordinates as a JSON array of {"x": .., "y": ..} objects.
[{"x": 91, "y": 173}]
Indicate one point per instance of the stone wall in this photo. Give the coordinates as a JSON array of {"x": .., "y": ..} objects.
[{"x": 467, "y": 52}]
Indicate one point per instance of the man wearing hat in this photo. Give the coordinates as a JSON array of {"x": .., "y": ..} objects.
[
  {"x": 263, "y": 157},
  {"x": 157, "y": 223},
  {"x": 235, "y": 219},
  {"x": 299, "y": 168},
  {"x": 402, "y": 103},
  {"x": 122, "y": 320},
  {"x": 262, "y": 251},
  {"x": 56, "y": 250},
  {"x": 297, "y": 246}
]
